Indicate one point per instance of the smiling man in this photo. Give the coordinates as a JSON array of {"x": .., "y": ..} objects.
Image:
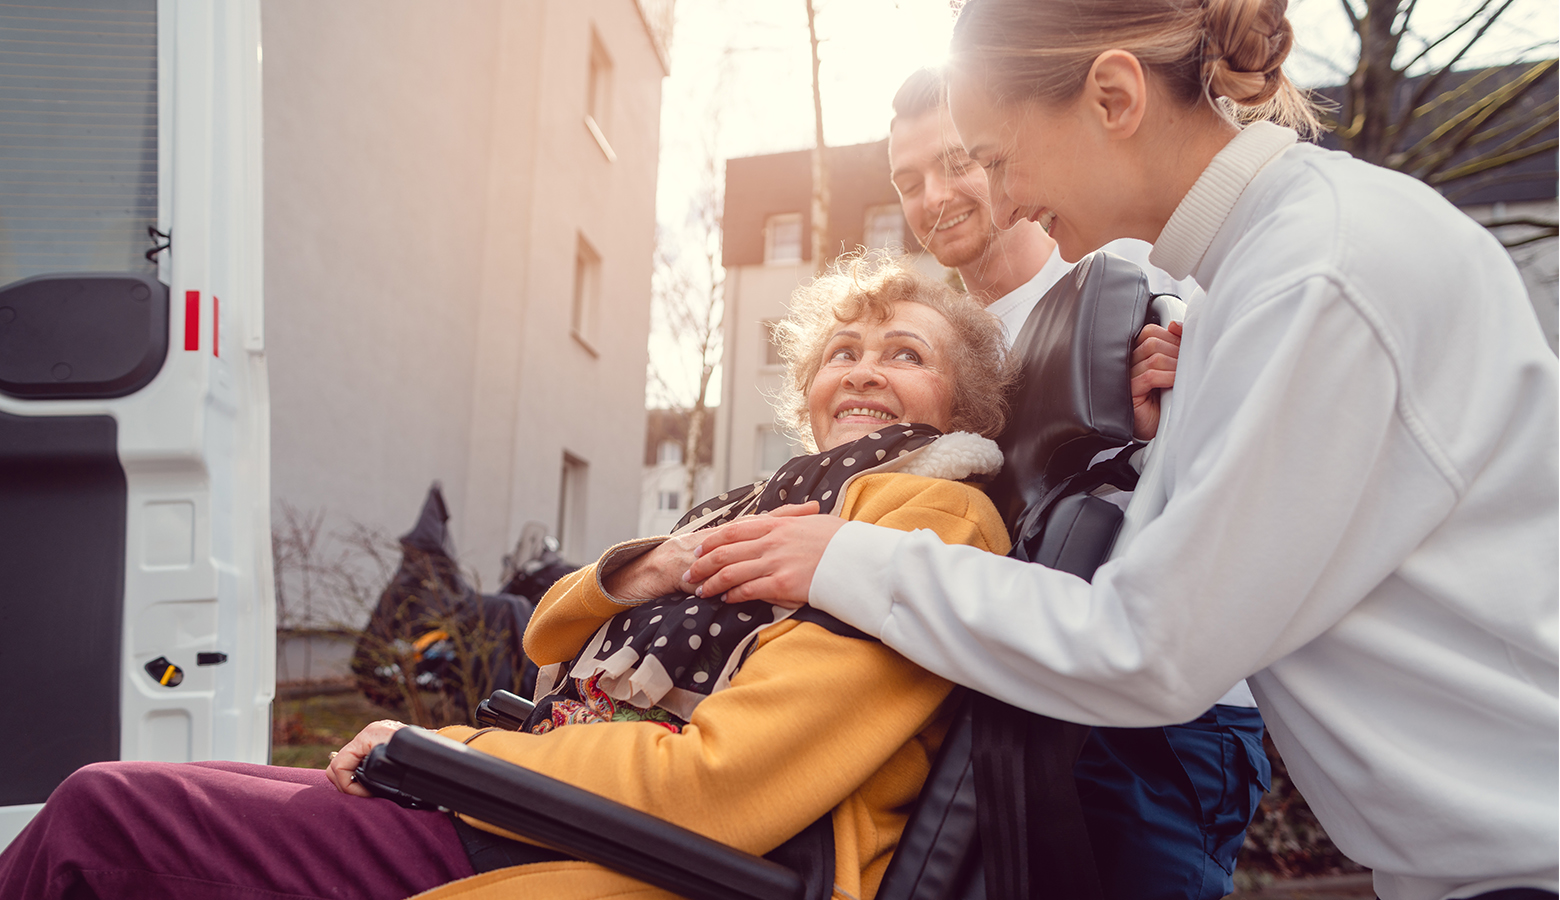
[
  {"x": 944, "y": 197},
  {"x": 1166, "y": 808}
]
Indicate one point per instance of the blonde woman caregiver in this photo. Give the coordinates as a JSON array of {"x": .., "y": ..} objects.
[{"x": 1359, "y": 461}]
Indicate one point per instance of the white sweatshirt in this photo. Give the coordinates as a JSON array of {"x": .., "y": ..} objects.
[
  {"x": 1014, "y": 307},
  {"x": 1361, "y": 518}
]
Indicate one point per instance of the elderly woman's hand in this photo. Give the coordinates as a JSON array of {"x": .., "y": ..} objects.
[
  {"x": 657, "y": 572},
  {"x": 770, "y": 557},
  {"x": 342, "y": 770},
  {"x": 1154, "y": 358}
]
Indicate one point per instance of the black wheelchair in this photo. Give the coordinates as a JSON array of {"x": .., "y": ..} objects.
[{"x": 999, "y": 815}]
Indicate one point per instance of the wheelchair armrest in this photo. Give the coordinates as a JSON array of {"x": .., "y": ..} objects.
[
  {"x": 437, "y": 770},
  {"x": 504, "y": 710}
]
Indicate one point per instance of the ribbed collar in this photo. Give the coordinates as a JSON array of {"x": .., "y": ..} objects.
[{"x": 1202, "y": 211}]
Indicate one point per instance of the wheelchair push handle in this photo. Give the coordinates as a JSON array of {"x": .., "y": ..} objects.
[
  {"x": 383, "y": 778},
  {"x": 504, "y": 710}
]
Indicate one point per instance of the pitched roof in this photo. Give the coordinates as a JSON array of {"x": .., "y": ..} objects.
[
  {"x": 1529, "y": 178},
  {"x": 672, "y": 425},
  {"x": 758, "y": 187}
]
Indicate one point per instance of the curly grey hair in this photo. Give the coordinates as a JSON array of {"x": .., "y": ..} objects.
[{"x": 866, "y": 286}]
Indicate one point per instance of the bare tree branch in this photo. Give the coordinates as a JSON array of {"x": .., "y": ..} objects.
[
  {"x": 1445, "y": 36},
  {"x": 820, "y": 161},
  {"x": 1447, "y": 138},
  {"x": 1338, "y": 69},
  {"x": 1482, "y": 165},
  {"x": 1404, "y": 16},
  {"x": 1461, "y": 129},
  {"x": 1434, "y": 79},
  {"x": 1543, "y": 117},
  {"x": 1442, "y": 125},
  {"x": 1544, "y": 230},
  {"x": 1457, "y": 194},
  {"x": 1354, "y": 18},
  {"x": 688, "y": 298}
]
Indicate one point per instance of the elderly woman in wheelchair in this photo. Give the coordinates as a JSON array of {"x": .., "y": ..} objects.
[{"x": 745, "y": 722}]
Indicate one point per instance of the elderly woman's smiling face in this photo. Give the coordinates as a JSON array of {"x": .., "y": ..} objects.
[{"x": 877, "y": 373}]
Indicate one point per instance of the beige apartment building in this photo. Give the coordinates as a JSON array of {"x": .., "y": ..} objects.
[
  {"x": 665, "y": 496},
  {"x": 767, "y": 252},
  {"x": 459, "y": 227}
]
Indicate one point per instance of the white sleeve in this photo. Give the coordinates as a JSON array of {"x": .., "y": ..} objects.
[{"x": 1293, "y": 489}]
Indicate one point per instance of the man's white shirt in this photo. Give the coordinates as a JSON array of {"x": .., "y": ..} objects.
[{"x": 1014, "y": 307}]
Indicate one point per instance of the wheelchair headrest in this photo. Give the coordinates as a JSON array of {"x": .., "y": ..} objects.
[{"x": 1073, "y": 398}]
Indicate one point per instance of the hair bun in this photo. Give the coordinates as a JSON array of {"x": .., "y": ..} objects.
[
  {"x": 1247, "y": 42},
  {"x": 1245, "y": 88}
]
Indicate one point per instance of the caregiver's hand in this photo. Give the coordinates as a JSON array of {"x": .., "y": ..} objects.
[
  {"x": 344, "y": 762},
  {"x": 770, "y": 557},
  {"x": 1154, "y": 358},
  {"x": 658, "y": 572}
]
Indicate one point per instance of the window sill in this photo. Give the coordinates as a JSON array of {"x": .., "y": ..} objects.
[
  {"x": 601, "y": 139},
  {"x": 585, "y": 342}
]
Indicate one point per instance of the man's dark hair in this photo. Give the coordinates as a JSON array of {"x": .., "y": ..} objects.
[{"x": 921, "y": 93}]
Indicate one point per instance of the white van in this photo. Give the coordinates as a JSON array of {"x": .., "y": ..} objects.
[{"x": 136, "y": 605}]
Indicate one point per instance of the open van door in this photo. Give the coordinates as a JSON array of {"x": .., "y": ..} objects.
[{"x": 136, "y": 606}]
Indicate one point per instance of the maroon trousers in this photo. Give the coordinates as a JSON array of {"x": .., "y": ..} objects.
[{"x": 218, "y": 830}]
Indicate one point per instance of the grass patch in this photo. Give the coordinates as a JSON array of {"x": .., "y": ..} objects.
[
  {"x": 303, "y": 756},
  {"x": 304, "y": 730}
]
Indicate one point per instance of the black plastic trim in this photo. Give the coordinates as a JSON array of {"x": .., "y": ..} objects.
[
  {"x": 82, "y": 335},
  {"x": 62, "y": 580}
]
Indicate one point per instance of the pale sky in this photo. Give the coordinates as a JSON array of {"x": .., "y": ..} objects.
[{"x": 741, "y": 79}]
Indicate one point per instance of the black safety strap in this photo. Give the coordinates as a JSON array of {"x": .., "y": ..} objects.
[
  {"x": 810, "y": 855},
  {"x": 830, "y": 624},
  {"x": 1034, "y": 842},
  {"x": 488, "y": 851},
  {"x": 1116, "y": 471}
]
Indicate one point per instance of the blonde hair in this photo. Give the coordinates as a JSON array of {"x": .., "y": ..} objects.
[
  {"x": 866, "y": 286},
  {"x": 1227, "y": 53}
]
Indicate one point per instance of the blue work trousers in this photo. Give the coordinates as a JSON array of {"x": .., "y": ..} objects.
[{"x": 1167, "y": 808}]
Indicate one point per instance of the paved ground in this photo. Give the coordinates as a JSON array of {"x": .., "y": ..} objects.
[{"x": 1333, "y": 887}]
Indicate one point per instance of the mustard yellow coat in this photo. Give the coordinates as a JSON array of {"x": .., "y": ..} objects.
[{"x": 812, "y": 722}]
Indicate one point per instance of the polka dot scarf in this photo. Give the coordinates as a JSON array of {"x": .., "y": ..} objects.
[{"x": 659, "y": 660}]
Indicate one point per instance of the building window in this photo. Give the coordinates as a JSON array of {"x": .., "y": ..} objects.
[
  {"x": 668, "y": 500},
  {"x": 772, "y": 344},
  {"x": 571, "y": 506},
  {"x": 783, "y": 238},
  {"x": 587, "y": 288},
  {"x": 774, "y": 449},
  {"x": 884, "y": 227},
  {"x": 669, "y": 453},
  {"x": 598, "y": 95}
]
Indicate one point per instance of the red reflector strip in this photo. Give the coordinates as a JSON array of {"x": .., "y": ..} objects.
[
  {"x": 216, "y": 345},
  {"x": 192, "y": 320}
]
